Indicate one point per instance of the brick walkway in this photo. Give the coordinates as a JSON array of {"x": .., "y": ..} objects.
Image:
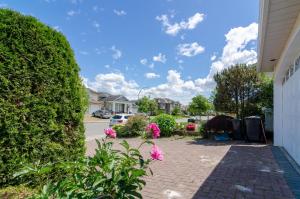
[{"x": 207, "y": 169}]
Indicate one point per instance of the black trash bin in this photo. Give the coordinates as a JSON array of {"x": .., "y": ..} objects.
[
  {"x": 237, "y": 133},
  {"x": 254, "y": 129}
]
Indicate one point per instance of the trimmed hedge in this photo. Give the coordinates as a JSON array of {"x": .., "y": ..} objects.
[{"x": 42, "y": 99}]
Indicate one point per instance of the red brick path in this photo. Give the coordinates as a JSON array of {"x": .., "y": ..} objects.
[{"x": 212, "y": 170}]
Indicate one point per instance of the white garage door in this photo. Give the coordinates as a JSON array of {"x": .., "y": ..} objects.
[
  {"x": 291, "y": 115},
  {"x": 93, "y": 108}
]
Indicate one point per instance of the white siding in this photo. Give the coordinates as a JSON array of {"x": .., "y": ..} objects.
[{"x": 291, "y": 116}]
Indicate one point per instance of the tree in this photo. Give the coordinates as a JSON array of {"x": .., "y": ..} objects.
[
  {"x": 42, "y": 99},
  {"x": 199, "y": 105},
  {"x": 239, "y": 90},
  {"x": 176, "y": 110},
  {"x": 146, "y": 105}
]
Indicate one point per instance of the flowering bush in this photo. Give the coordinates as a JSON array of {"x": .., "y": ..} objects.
[
  {"x": 135, "y": 126},
  {"x": 156, "y": 153},
  {"x": 154, "y": 130},
  {"x": 191, "y": 127},
  {"x": 108, "y": 174},
  {"x": 110, "y": 133}
]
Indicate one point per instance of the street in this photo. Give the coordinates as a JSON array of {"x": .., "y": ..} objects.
[{"x": 95, "y": 129}]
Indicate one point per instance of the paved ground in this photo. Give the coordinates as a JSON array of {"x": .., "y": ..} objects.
[
  {"x": 95, "y": 129},
  {"x": 206, "y": 169}
]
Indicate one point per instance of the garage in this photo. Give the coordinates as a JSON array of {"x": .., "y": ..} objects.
[{"x": 94, "y": 107}]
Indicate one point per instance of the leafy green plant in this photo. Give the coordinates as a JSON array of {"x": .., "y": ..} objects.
[
  {"x": 135, "y": 125},
  {"x": 108, "y": 174},
  {"x": 120, "y": 129},
  {"x": 166, "y": 124},
  {"x": 42, "y": 98}
]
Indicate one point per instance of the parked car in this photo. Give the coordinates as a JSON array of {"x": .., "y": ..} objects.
[
  {"x": 102, "y": 114},
  {"x": 119, "y": 119}
]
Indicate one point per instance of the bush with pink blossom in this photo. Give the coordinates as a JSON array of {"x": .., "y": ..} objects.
[{"x": 109, "y": 173}]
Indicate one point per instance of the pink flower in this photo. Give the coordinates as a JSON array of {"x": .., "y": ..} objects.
[
  {"x": 156, "y": 153},
  {"x": 154, "y": 130},
  {"x": 110, "y": 133}
]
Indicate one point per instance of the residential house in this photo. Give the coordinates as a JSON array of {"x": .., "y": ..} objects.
[
  {"x": 94, "y": 103},
  {"x": 118, "y": 104},
  {"x": 166, "y": 104},
  {"x": 279, "y": 52},
  {"x": 112, "y": 103}
]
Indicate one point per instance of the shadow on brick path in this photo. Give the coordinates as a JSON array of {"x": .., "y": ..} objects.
[{"x": 246, "y": 171}]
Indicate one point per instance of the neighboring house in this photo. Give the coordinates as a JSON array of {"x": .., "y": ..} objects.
[
  {"x": 166, "y": 104},
  {"x": 279, "y": 52},
  {"x": 118, "y": 104},
  {"x": 94, "y": 103},
  {"x": 106, "y": 101}
]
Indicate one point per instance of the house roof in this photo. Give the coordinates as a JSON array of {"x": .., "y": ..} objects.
[
  {"x": 277, "y": 19},
  {"x": 165, "y": 100},
  {"x": 119, "y": 98}
]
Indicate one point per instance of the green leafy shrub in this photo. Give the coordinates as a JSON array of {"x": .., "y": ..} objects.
[
  {"x": 134, "y": 127},
  {"x": 166, "y": 123},
  {"x": 42, "y": 99},
  {"x": 120, "y": 129},
  {"x": 108, "y": 174}
]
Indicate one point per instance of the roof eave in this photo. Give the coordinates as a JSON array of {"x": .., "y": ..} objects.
[{"x": 263, "y": 22}]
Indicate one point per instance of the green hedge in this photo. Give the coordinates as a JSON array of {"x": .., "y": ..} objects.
[
  {"x": 42, "y": 99},
  {"x": 166, "y": 123}
]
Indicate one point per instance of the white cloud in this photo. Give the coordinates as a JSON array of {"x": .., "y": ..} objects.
[
  {"x": 151, "y": 65},
  {"x": 120, "y": 12},
  {"x": 107, "y": 66},
  {"x": 151, "y": 75},
  {"x": 190, "y": 50},
  {"x": 114, "y": 83},
  {"x": 57, "y": 28},
  {"x": 71, "y": 13},
  {"x": 173, "y": 29},
  {"x": 117, "y": 54},
  {"x": 160, "y": 58},
  {"x": 96, "y": 25},
  {"x": 235, "y": 51},
  {"x": 213, "y": 57},
  {"x": 144, "y": 61}
]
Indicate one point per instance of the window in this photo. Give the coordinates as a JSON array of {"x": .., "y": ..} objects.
[
  {"x": 297, "y": 64},
  {"x": 291, "y": 70},
  {"x": 117, "y": 117}
]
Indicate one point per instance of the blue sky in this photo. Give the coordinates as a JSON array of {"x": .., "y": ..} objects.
[{"x": 171, "y": 48}]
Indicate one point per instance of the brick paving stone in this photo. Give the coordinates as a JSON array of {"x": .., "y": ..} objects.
[{"x": 209, "y": 169}]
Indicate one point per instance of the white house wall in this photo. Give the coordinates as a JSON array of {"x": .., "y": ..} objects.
[
  {"x": 291, "y": 116},
  {"x": 287, "y": 97}
]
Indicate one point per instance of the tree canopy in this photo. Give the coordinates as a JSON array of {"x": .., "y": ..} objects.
[
  {"x": 147, "y": 105},
  {"x": 243, "y": 91},
  {"x": 199, "y": 105}
]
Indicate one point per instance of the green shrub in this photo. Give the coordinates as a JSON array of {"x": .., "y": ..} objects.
[
  {"x": 120, "y": 130},
  {"x": 135, "y": 126},
  {"x": 42, "y": 99},
  {"x": 107, "y": 174},
  {"x": 166, "y": 123}
]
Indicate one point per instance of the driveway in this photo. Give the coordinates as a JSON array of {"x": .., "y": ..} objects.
[{"x": 211, "y": 170}]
